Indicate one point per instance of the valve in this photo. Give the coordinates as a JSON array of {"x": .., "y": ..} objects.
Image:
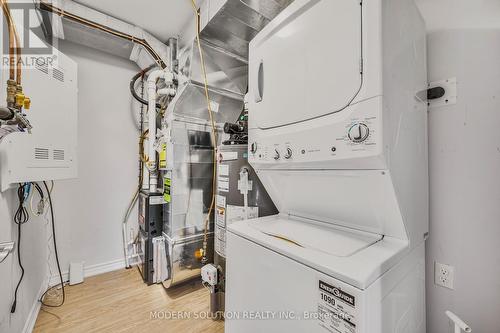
[
  {"x": 20, "y": 98},
  {"x": 27, "y": 103}
]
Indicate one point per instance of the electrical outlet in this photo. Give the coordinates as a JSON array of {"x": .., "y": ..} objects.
[{"x": 444, "y": 275}]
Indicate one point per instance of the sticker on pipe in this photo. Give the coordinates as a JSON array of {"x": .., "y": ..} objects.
[{"x": 336, "y": 309}]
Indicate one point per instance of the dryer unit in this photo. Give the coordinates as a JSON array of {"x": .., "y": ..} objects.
[{"x": 339, "y": 141}]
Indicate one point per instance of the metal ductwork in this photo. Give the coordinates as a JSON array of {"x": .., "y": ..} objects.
[
  {"x": 227, "y": 84},
  {"x": 101, "y": 31},
  {"x": 238, "y": 21},
  {"x": 224, "y": 40}
]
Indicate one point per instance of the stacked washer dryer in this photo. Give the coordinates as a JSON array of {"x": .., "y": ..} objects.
[{"x": 339, "y": 141}]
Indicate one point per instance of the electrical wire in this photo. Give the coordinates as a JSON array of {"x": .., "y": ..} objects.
[
  {"x": 14, "y": 304},
  {"x": 20, "y": 217},
  {"x": 41, "y": 203},
  {"x": 49, "y": 194},
  {"x": 214, "y": 132}
]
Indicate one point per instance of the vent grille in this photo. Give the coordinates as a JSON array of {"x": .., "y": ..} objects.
[
  {"x": 42, "y": 66},
  {"x": 41, "y": 154},
  {"x": 58, "y": 154},
  {"x": 58, "y": 74}
]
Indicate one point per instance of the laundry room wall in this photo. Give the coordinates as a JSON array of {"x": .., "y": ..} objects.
[
  {"x": 90, "y": 209},
  {"x": 464, "y": 172},
  {"x": 34, "y": 259}
]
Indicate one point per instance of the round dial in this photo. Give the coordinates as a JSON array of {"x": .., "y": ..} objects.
[
  {"x": 358, "y": 133},
  {"x": 288, "y": 153},
  {"x": 253, "y": 148}
]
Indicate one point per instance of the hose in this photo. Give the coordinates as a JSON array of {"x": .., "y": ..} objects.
[{"x": 133, "y": 82}]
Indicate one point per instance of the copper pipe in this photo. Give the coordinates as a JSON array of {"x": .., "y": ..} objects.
[
  {"x": 6, "y": 13},
  {"x": 51, "y": 8},
  {"x": 18, "y": 49},
  {"x": 12, "y": 26}
]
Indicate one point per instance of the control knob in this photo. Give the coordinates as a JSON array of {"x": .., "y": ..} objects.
[
  {"x": 288, "y": 153},
  {"x": 276, "y": 154},
  {"x": 358, "y": 133}
]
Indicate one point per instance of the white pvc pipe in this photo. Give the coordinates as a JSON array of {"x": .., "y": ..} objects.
[
  {"x": 460, "y": 325},
  {"x": 151, "y": 83},
  {"x": 125, "y": 245},
  {"x": 152, "y": 95}
]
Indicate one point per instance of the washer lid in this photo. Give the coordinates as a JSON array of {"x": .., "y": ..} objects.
[
  {"x": 306, "y": 63},
  {"x": 335, "y": 241},
  {"x": 356, "y": 258}
]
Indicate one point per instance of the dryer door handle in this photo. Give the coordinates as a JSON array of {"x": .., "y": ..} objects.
[{"x": 258, "y": 88}]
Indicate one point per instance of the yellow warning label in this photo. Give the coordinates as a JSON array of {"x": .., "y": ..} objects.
[
  {"x": 166, "y": 189},
  {"x": 163, "y": 156}
]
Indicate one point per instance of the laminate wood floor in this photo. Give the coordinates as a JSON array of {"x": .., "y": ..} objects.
[{"x": 120, "y": 302}]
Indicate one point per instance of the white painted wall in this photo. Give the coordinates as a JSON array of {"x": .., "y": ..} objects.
[
  {"x": 90, "y": 209},
  {"x": 465, "y": 180},
  {"x": 460, "y": 14},
  {"x": 34, "y": 259}
]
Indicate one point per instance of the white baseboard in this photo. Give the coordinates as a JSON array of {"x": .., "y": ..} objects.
[
  {"x": 92, "y": 270},
  {"x": 35, "y": 309}
]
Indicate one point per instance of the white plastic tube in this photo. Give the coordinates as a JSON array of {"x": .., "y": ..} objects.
[
  {"x": 460, "y": 325},
  {"x": 125, "y": 245}
]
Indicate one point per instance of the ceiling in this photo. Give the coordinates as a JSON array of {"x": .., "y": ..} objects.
[
  {"x": 166, "y": 18},
  {"x": 162, "y": 18}
]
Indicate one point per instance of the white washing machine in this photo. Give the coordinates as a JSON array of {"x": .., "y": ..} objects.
[{"x": 339, "y": 140}]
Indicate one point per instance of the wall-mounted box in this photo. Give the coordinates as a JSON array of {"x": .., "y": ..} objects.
[{"x": 50, "y": 151}]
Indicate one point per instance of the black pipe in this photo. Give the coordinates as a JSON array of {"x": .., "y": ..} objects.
[{"x": 132, "y": 86}]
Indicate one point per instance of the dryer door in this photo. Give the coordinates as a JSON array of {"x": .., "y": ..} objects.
[{"x": 306, "y": 62}]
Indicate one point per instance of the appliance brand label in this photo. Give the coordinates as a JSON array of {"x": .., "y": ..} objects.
[
  {"x": 336, "y": 309},
  {"x": 337, "y": 293}
]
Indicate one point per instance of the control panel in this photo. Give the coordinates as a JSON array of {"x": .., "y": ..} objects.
[{"x": 326, "y": 139}]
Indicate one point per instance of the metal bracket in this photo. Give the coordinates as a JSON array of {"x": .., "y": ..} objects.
[
  {"x": 5, "y": 250},
  {"x": 450, "y": 93}
]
